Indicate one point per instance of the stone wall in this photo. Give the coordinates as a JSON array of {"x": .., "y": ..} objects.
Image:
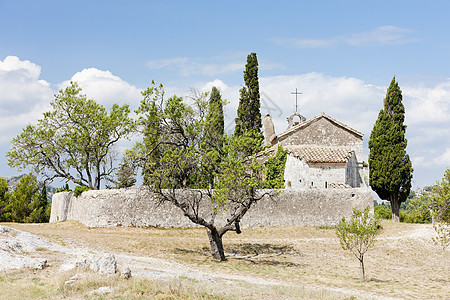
[{"x": 137, "y": 207}]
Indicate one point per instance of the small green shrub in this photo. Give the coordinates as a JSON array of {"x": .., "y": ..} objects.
[
  {"x": 79, "y": 189},
  {"x": 358, "y": 234},
  {"x": 64, "y": 188}
]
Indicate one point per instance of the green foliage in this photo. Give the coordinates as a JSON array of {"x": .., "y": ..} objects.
[
  {"x": 440, "y": 201},
  {"x": 74, "y": 141},
  {"x": 151, "y": 114},
  {"x": 5, "y": 214},
  {"x": 214, "y": 127},
  {"x": 27, "y": 203},
  {"x": 237, "y": 177},
  {"x": 417, "y": 211},
  {"x": 248, "y": 114},
  {"x": 390, "y": 165},
  {"x": 79, "y": 189},
  {"x": 64, "y": 188},
  {"x": 414, "y": 210},
  {"x": 275, "y": 170},
  {"x": 382, "y": 211},
  {"x": 40, "y": 208},
  {"x": 23, "y": 198},
  {"x": 358, "y": 234},
  {"x": 177, "y": 150}
]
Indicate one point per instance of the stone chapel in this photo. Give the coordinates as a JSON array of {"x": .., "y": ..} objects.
[{"x": 322, "y": 153}]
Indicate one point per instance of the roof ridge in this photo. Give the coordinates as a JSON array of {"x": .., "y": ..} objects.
[{"x": 321, "y": 115}]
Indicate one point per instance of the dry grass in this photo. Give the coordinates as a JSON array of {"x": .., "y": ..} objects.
[
  {"x": 308, "y": 261},
  {"x": 51, "y": 284}
]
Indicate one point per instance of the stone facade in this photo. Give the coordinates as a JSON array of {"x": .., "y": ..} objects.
[
  {"x": 137, "y": 207},
  {"x": 323, "y": 153}
]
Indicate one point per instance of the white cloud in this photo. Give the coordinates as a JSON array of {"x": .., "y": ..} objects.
[
  {"x": 222, "y": 86},
  {"x": 428, "y": 131},
  {"x": 105, "y": 88},
  {"x": 383, "y": 35},
  {"x": 23, "y": 96},
  {"x": 428, "y": 104},
  {"x": 21, "y": 90},
  {"x": 13, "y": 63}
]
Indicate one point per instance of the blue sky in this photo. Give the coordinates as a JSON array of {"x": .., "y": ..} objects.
[{"x": 341, "y": 55}]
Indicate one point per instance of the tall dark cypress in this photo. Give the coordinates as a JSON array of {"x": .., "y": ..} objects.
[
  {"x": 390, "y": 166},
  {"x": 214, "y": 119},
  {"x": 249, "y": 115}
]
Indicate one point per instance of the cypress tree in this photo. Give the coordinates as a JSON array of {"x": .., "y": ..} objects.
[
  {"x": 249, "y": 116},
  {"x": 390, "y": 166},
  {"x": 214, "y": 133},
  {"x": 214, "y": 119},
  {"x": 248, "y": 121},
  {"x": 40, "y": 213}
]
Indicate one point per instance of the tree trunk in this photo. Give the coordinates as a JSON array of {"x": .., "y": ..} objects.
[
  {"x": 395, "y": 206},
  {"x": 361, "y": 263},
  {"x": 215, "y": 242}
]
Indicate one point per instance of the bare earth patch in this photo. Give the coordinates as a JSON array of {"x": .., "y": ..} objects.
[{"x": 263, "y": 263}]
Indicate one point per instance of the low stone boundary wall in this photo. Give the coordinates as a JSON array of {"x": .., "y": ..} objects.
[{"x": 138, "y": 207}]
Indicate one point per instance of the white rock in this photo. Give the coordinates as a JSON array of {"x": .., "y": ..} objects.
[
  {"x": 102, "y": 291},
  {"x": 126, "y": 273},
  {"x": 108, "y": 264}
]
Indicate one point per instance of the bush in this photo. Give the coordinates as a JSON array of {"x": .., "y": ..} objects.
[
  {"x": 416, "y": 211},
  {"x": 64, "y": 188},
  {"x": 441, "y": 207},
  {"x": 383, "y": 212},
  {"x": 79, "y": 189}
]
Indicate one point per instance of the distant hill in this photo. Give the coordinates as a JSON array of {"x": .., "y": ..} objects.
[{"x": 12, "y": 181}]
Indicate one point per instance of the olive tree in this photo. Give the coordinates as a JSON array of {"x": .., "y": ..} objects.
[
  {"x": 74, "y": 141},
  {"x": 179, "y": 164}
]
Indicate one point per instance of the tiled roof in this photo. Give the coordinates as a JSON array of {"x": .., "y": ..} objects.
[
  {"x": 320, "y": 154},
  {"x": 338, "y": 186}
]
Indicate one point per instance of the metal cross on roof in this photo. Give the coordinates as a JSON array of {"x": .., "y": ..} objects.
[{"x": 296, "y": 93}]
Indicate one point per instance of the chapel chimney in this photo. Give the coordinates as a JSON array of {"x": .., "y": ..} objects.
[{"x": 269, "y": 130}]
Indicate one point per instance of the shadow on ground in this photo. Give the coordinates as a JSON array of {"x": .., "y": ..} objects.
[{"x": 260, "y": 254}]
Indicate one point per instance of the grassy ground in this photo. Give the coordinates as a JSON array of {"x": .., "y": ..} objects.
[{"x": 309, "y": 263}]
